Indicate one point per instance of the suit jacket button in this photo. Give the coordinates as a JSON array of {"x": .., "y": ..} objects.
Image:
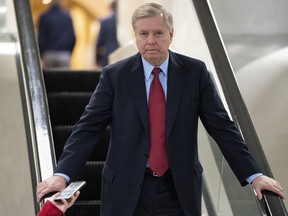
[
  {"x": 139, "y": 186},
  {"x": 145, "y": 156}
]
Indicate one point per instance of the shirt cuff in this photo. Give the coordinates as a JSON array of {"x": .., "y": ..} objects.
[
  {"x": 63, "y": 175},
  {"x": 251, "y": 178}
]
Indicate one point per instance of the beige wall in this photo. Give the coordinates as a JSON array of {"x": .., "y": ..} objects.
[
  {"x": 15, "y": 179},
  {"x": 248, "y": 17}
]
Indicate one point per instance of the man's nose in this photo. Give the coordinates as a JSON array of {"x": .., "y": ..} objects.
[{"x": 151, "y": 38}]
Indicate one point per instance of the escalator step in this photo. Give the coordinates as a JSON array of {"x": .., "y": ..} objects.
[
  {"x": 74, "y": 81},
  {"x": 92, "y": 175},
  {"x": 67, "y": 107},
  {"x": 61, "y": 134},
  {"x": 68, "y": 93},
  {"x": 84, "y": 208}
]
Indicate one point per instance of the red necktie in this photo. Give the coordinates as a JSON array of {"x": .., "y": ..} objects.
[{"x": 158, "y": 160}]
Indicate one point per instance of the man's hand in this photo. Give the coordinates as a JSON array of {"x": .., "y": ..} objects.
[
  {"x": 51, "y": 184},
  {"x": 265, "y": 183}
]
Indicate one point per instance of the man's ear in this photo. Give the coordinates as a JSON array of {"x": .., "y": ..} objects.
[{"x": 171, "y": 35}]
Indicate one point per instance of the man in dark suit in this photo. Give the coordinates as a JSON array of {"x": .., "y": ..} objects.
[
  {"x": 56, "y": 36},
  {"x": 131, "y": 186},
  {"x": 107, "y": 41}
]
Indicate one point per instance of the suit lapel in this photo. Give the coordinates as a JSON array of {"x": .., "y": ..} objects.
[
  {"x": 175, "y": 83},
  {"x": 136, "y": 84}
]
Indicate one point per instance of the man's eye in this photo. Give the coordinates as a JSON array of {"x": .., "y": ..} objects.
[{"x": 159, "y": 34}]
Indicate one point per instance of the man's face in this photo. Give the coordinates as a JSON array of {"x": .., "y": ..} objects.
[{"x": 153, "y": 39}]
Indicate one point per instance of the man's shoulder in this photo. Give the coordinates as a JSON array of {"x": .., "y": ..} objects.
[
  {"x": 186, "y": 58},
  {"x": 128, "y": 62},
  {"x": 52, "y": 15},
  {"x": 181, "y": 59}
]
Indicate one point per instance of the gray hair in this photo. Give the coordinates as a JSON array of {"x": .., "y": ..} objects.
[{"x": 152, "y": 10}]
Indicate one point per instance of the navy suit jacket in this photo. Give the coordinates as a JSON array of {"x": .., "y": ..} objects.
[{"x": 120, "y": 101}]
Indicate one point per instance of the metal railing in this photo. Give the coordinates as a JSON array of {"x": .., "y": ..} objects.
[
  {"x": 271, "y": 204},
  {"x": 41, "y": 148}
]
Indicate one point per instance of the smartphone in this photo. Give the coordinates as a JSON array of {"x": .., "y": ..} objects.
[{"x": 72, "y": 188}]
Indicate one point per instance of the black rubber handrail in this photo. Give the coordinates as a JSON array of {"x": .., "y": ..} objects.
[
  {"x": 237, "y": 107},
  {"x": 273, "y": 204}
]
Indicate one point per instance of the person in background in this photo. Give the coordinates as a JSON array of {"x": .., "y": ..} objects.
[
  {"x": 107, "y": 40},
  {"x": 56, "y": 36},
  {"x": 53, "y": 208},
  {"x": 152, "y": 102}
]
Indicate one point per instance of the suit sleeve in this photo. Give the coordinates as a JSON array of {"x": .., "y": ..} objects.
[
  {"x": 224, "y": 131},
  {"x": 88, "y": 131}
]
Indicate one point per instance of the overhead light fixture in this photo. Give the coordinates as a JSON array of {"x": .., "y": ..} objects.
[{"x": 46, "y": 1}]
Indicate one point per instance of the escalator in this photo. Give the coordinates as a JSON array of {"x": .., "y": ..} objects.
[{"x": 69, "y": 92}]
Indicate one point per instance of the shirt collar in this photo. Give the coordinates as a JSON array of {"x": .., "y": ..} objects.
[{"x": 148, "y": 67}]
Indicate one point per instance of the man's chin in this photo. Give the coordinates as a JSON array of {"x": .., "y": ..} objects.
[{"x": 154, "y": 61}]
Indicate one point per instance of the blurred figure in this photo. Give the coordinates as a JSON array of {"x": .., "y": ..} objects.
[
  {"x": 56, "y": 36},
  {"x": 107, "y": 39},
  {"x": 52, "y": 208}
]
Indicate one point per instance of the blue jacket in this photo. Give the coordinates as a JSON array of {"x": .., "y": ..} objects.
[{"x": 56, "y": 32}]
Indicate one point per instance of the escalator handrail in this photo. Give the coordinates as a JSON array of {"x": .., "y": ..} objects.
[
  {"x": 33, "y": 78},
  {"x": 269, "y": 202},
  {"x": 237, "y": 107}
]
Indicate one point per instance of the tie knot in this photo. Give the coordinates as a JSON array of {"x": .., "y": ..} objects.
[{"x": 156, "y": 71}]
